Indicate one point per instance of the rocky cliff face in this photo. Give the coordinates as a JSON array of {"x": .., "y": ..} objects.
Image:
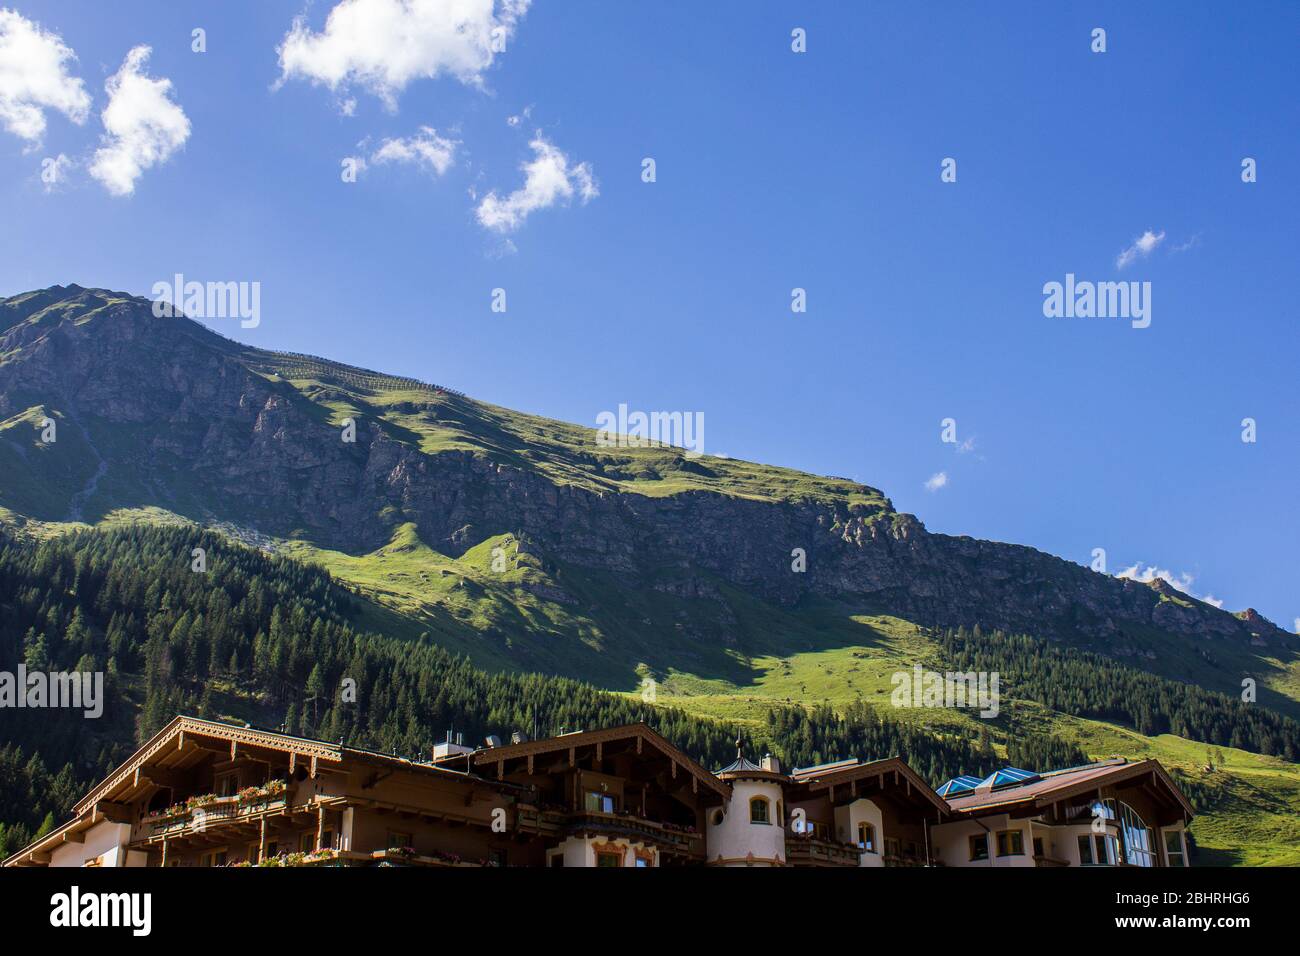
[{"x": 176, "y": 416}]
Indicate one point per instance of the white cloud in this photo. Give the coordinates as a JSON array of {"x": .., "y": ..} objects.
[
  {"x": 383, "y": 45},
  {"x": 1181, "y": 582},
  {"x": 1145, "y": 575},
  {"x": 142, "y": 126},
  {"x": 1297, "y": 625},
  {"x": 936, "y": 481},
  {"x": 966, "y": 446},
  {"x": 1143, "y": 246},
  {"x": 548, "y": 179},
  {"x": 426, "y": 148},
  {"x": 34, "y": 77}
]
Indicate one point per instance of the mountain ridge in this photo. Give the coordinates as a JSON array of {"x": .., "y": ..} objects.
[{"x": 177, "y": 416}]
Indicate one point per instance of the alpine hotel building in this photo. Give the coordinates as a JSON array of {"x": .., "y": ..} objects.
[{"x": 203, "y": 793}]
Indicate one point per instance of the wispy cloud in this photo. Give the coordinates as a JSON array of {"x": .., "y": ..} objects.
[
  {"x": 1142, "y": 246},
  {"x": 34, "y": 77},
  {"x": 381, "y": 46},
  {"x": 936, "y": 481},
  {"x": 549, "y": 178},
  {"x": 426, "y": 149},
  {"x": 143, "y": 127}
]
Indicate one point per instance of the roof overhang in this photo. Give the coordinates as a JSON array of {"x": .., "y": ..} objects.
[{"x": 498, "y": 757}]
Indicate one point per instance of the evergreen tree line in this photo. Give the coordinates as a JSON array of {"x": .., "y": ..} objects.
[
  {"x": 821, "y": 735},
  {"x": 1086, "y": 684},
  {"x": 275, "y": 642}
]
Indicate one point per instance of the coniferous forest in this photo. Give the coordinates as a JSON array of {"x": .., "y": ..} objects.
[{"x": 265, "y": 639}]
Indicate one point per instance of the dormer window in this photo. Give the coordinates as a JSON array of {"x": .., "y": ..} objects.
[{"x": 760, "y": 811}]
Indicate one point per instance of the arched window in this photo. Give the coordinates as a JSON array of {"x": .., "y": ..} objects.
[
  {"x": 759, "y": 810},
  {"x": 1137, "y": 838}
]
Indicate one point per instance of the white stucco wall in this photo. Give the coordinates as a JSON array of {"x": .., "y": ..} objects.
[
  {"x": 847, "y": 819},
  {"x": 951, "y": 842},
  {"x": 738, "y": 842},
  {"x": 102, "y": 840},
  {"x": 581, "y": 851}
]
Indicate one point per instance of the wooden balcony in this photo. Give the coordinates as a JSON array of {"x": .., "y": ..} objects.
[
  {"x": 813, "y": 851},
  {"x": 559, "y": 823},
  {"x": 222, "y": 811}
]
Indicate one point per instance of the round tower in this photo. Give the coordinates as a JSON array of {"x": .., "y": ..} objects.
[{"x": 749, "y": 830}]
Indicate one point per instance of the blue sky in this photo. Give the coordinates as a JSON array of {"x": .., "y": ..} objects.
[{"x": 775, "y": 170}]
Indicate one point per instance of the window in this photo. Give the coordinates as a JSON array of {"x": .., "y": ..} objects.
[
  {"x": 214, "y": 858},
  {"x": 228, "y": 785},
  {"x": 327, "y": 839},
  {"x": 1174, "y": 854},
  {"x": 307, "y": 841},
  {"x": 1038, "y": 846},
  {"x": 1085, "y": 851},
  {"x": 254, "y": 854},
  {"x": 1011, "y": 843},
  {"x": 609, "y": 857},
  {"x": 398, "y": 840},
  {"x": 1094, "y": 850},
  {"x": 1138, "y": 850},
  {"x": 758, "y": 811},
  {"x": 866, "y": 837},
  {"x": 597, "y": 802},
  {"x": 979, "y": 846}
]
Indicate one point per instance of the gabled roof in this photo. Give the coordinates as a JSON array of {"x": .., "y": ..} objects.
[
  {"x": 175, "y": 746},
  {"x": 500, "y": 755},
  {"x": 845, "y": 773},
  {"x": 1043, "y": 790}
]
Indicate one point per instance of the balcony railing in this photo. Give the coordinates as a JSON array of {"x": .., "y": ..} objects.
[
  {"x": 555, "y": 823},
  {"x": 219, "y": 811},
  {"x": 803, "y": 850}
]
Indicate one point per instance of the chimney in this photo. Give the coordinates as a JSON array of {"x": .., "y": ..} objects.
[{"x": 771, "y": 764}]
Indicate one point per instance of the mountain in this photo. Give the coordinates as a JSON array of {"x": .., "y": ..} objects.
[
  {"x": 164, "y": 413},
  {"x": 520, "y": 544}
]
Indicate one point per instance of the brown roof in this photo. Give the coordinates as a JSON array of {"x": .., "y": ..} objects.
[
  {"x": 1068, "y": 783},
  {"x": 498, "y": 755},
  {"x": 841, "y": 773}
]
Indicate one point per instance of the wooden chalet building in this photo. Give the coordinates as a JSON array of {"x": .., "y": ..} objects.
[{"x": 202, "y": 793}]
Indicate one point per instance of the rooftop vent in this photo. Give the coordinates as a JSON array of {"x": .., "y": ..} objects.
[{"x": 492, "y": 740}]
